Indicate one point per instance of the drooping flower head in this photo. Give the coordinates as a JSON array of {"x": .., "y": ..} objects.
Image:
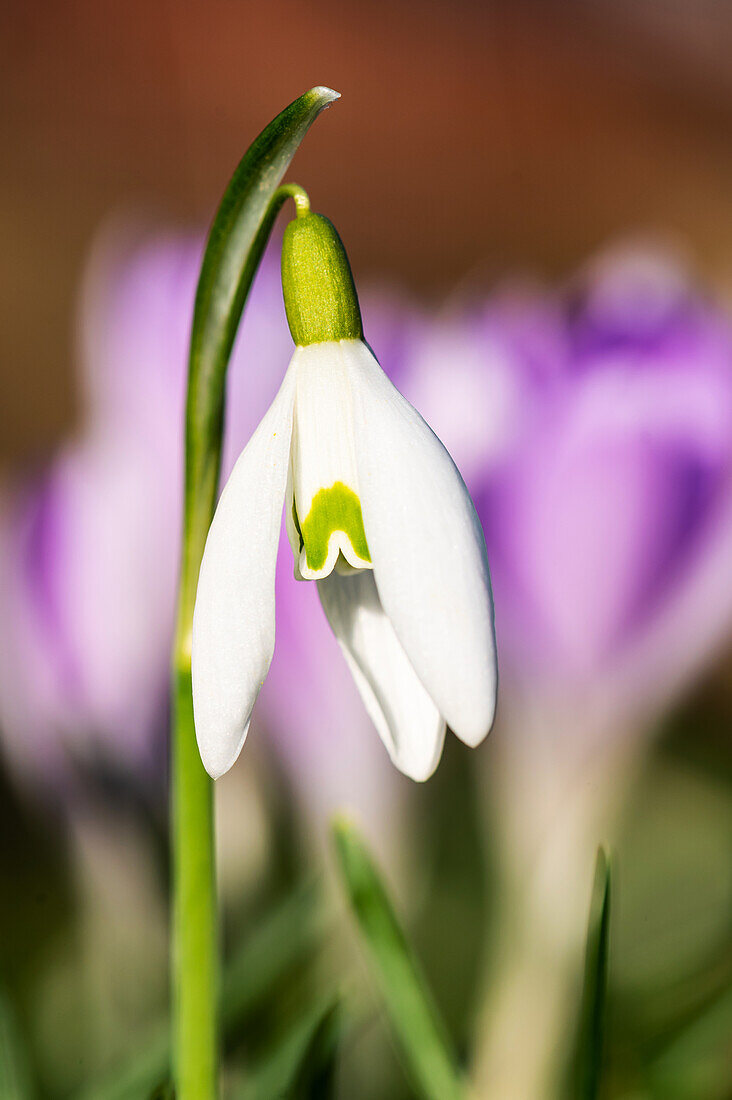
[{"x": 377, "y": 514}]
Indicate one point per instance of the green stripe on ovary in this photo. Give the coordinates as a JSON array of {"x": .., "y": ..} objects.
[{"x": 334, "y": 509}]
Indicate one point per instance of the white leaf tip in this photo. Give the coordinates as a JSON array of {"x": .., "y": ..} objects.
[{"x": 329, "y": 95}]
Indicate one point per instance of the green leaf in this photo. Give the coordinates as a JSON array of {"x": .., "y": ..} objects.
[
  {"x": 301, "y": 1064},
  {"x": 696, "y": 1063},
  {"x": 234, "y": 249},
  {"x": 142, "y": 1075},
  {"x": 14, "y": 1074},
  {"x": 420, "y": 1034},
  {"x": 163, "y": 1092},
  {"x": 286, "y": 939},
  {"x": 290, "y": 936},
  {"x": 587, "y": 1066}
]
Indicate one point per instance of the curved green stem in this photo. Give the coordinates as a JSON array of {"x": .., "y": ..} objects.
[
  {"x": 298, "y": 195},
  {"x": 234, "y": 249},
  {"x": 195, "y": 953}
]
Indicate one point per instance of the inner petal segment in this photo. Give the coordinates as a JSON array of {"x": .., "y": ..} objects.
[
  {"x": 324, "y": 519},
  {"x": 333, "y": 526}
]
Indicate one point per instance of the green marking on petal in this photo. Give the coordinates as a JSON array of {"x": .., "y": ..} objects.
[
  {"x": 334, "y": 509},
  {"x": 296, "y": 521}
]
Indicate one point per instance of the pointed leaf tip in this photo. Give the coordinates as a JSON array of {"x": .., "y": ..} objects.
[
  {"x": 416, "y": 1024},
  {"x": 328, "y": 95},
  {"x": 587, "y": 1063},
  {"x": 341, "y": 823}
]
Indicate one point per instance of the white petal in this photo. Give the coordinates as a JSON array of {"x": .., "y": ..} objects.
[
  {"x": 234, "y": 618},
  {"x": 407, "y": 720},
  {"x": 427, "y": 549},
  {"x": 324, "y": 477}
]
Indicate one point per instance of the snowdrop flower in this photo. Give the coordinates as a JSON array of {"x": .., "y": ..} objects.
[{"x": 377, "y": 515}]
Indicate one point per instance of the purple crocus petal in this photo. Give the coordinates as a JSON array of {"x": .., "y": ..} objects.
[
  {"x": 134, "y": 325},
  {"x": 31, "y": 702},
  {"x": 691, "y": 626},
  {"x": 117, "y": 595},
  {"x": 481, "y": 380},
  {"x": 137, "y": 306},
  {"x": 91, "y": 549},
  {"x": 585, "y": 541},
  {"x": 86, "y": 607},
  {"x": 630, "y": 297}
]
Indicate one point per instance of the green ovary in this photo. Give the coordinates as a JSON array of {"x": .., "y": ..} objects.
[{"x": 334, "y": 509}]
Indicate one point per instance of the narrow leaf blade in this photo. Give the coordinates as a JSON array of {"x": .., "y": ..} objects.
[
  {"x": 285, "y": 940},
  {"x": 589, "y": 1049},
  {"x": 14, "y": 1073},
  {"x": 697, "y": 1061},
  {"x": 417, "y": 1028},
  {"x": 301, "y": 1062}
]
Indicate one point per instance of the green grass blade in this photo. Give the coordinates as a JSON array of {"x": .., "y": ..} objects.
[
  {"x": 587, "y": 1067},
  {"x": 301, "y": 1063},
  {"x": 696, "y": 1063},
  {"x": 289, "y": 937},
  {"x": 420, "y": 1035},
  {"x": 285, "y": 940},
  {"x": 14, "y": 1074}
]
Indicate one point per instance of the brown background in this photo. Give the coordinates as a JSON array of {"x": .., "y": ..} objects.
[{"x": 471, "y": 138}]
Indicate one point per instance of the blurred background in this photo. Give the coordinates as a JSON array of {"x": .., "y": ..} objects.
[{"x": 537, "y": 203}]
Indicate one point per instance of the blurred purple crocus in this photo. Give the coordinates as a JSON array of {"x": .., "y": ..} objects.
[
  {"x": 595, "y": 429},
  {"x": 90, "y": 545}
]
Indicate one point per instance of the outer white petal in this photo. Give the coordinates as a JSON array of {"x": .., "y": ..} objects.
[
  {"x": 407, "y": 720},
  {"x": 234, "y": 618},
  {"x": 427, "y": 549}
]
